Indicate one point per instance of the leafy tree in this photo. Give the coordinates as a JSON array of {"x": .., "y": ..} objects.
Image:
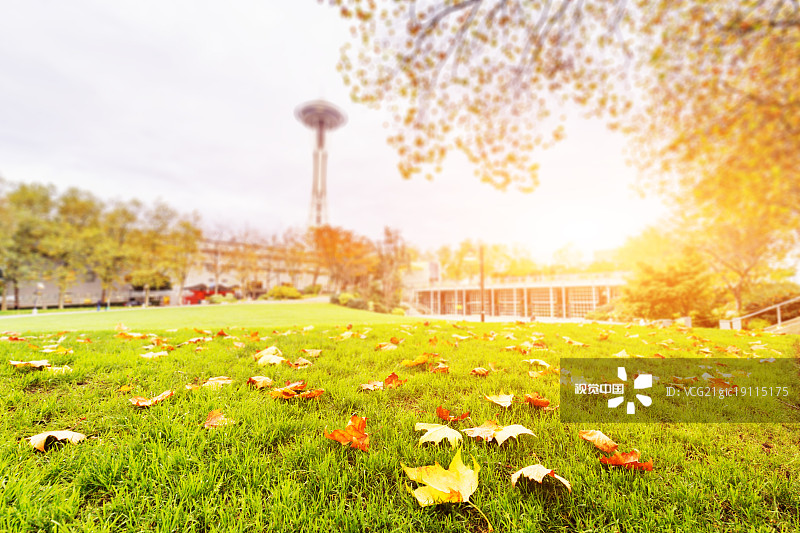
[
  {"x": 682, "y": 288},
  {"x": 150, "y": 257},
  {"x": 706, "y": 90},
  {"x": 242, "y": 258},
  {"x": 183, "y": 250},
  {"x": 346, "y": 256},
  {"x": 112, "y": 252},
  {"x": 393, "y": 256},
  {"x": 67, "y": 244},
  {"x": 293, "y": 253}
]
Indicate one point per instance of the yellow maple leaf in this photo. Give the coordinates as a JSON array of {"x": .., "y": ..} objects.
[
  {"x": 491, "y": 430},
  {"x": 456, "y": 484},
  {"x": 437, "y": 433}
]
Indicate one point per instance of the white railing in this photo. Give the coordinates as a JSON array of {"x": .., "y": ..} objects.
[{"x": 736, "y": 323}]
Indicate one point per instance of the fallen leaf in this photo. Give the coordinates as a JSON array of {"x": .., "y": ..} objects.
[
  {"x": 217, "y": 382},
  {"x": 372, "y": 386},
  {"x": 289, "y": 391},
  {"x": 38, "y": 365},
  {"x": 444, "y": 414},
  {"x": 311, "y": 353},
  {"x": 538, "y": 473},
  {"x": 124, "y": 388},
  {"x": 503, "y": 400},
  {"x": 353, "y": 434},
  {"x": 629, "y": 460},
  {"x": 438, "y": 432},
  {"x": 59, "y": 369},
  {"x": 600, "y": 440},
  {"x": 385, "y": 346},
  {"x": 259, "y": 382},
  {"x": 479, "y": 371},
  {"x": 140, "y": 401},
  {"x": 491, "y": 430},
  {"x": 43, "y": 440},
  {"x": 536, "y": 400},
  {"x": 272, "y": 350},
  {"x": 216, "y": 419},
  {"x": 573, "y": 342},
  {"x": 419, "y": 360},
  {"x": 456, "y": 484},
  {"x": 440, "y": 368},
  {"x": 538, "y": 362},
  {"x": 393, "y": 381},
  {"x": 300, "y": 363},
  {"x": 154, "y": 355},
  {"x": 307, "y": 395}
]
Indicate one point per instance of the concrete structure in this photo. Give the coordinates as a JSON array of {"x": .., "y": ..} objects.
[
  {"x": 320, "y": 116},
  {"x": 563, "y": 297}
]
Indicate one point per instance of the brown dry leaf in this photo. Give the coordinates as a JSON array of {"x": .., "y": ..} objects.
[
  {"x": 353, "y": 434},
  {"x": 536, "y": 400},
  {"x": 140, "y": 401},
  {"x": 456, "y": 484},
  {"x": 538, "y": 473},
  {"x": 503, "y": 400},
  {"x": 393, "y": 381},
  {"x": 289, "y": 391},
  {"x": 259, "y": 382},
  {"x": 440, "y": 368},
  {"x": 43, "y": 440},
  {"x": 203, "y": 331},
  {"x": 272, "y": 350},
  {"x": 600, "y": 440},
  {"x": 395, "y": 340},
  {"x": 444, "y": 414},
  {"x": 491, "y": 430},
  {"x": 311, "y": 353},
  {"x": 629, "y": 460},
  {"x": 437, "y": 433},
  {"x": 221, "y": 333},
  {"x": 480, "y": 371},
  {"x": 38, "y": 365},
  {"x": 216, "y": 419}
]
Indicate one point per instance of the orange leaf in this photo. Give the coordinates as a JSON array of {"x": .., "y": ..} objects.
[
  {"x": 43, "y": 440},
  {"x": 629, "y": 460},
  {"x": 573, "y": 342},
  {"x": 393, "y": 381},
  {"x": 385, "y": 346},
  {"x": 307, "y": 395},
  {"x": 445, "y": 415},
  {"x": 140, "y": 401},
  {"x": 598, "y": 439},
  {"x": 354, "y": 434},
  {"x": 124, "y": 388},
  {"x": 311, "y": 353},
  {"x": 479, "y": 371},
  {"x": 216, "y": 419},
  {"x": 300, "y": 363},
  {"x": 420, "y": 360},
  {"x": 440, "y": 368},
  {"x": 395, "y": 340},
  {"x": 289, "y": 391},
  {"x": 259, "y": 382},
  {"x": 372, "y": 385},
  {"x": 536, "y": 400}
]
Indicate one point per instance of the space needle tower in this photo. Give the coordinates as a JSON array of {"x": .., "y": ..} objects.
[{"x": 319, "y": 116}]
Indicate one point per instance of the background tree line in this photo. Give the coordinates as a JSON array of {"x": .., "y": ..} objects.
[{"x": 71, "y": 236}]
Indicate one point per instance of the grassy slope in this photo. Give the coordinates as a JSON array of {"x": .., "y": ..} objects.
[{"x": 157, "y": 469}]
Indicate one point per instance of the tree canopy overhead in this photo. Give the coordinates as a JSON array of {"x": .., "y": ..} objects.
[{"x": 704, "y": 89}]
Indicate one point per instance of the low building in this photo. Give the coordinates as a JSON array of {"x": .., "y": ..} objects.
[{"x": 564, "y": 296}]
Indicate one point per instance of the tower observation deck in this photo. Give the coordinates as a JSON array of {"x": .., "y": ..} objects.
[{"x": 320, "y": 116}]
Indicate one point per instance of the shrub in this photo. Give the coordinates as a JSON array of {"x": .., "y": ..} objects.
[
  {"x": 357, "y": 303},
  {"x": 399, "y": 311},
  {"x": 219, "y": 298},
  {"x": 345, "y": 297},
  {"x": 757, "y": 323},
  {"x": 284, "y": 292},
  {"x": 378, "y": 307},
  {"x": 312, "y": 289},
  {"x": 335, "y": 298}
]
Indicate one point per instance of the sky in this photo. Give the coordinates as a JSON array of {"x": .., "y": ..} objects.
[{"x": 192, "y": 102}]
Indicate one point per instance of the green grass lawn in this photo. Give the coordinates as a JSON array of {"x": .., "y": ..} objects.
[{"x": 158, "y": 469}]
